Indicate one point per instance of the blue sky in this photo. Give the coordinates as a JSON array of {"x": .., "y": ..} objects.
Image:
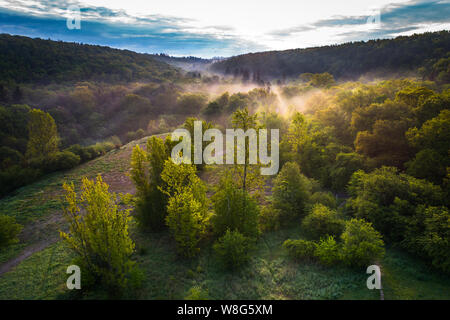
[{"x": 208, "y": 28}]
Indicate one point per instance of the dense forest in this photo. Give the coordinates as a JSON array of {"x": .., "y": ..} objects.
[
  {"x": 426, "y": 54},
  {"x": 39, "y": 61}
]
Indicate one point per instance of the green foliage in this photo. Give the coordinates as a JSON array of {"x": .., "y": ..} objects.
[
  {"x": 434, "y": 134},
  {"x": 9, "y": 230},
  {"x": 428, "y": 236},
  {"x": 233, "y": 249},
  {"x": 197, "y": 293},
  {"x": 322, "y": 222},
  {"x": 367, "y": 57},
  {"x": 428, "y": 164},
  {"x": 234, "y": 209},
  {"x": 99, "y": 236},
  {"x": 291, "y": 193},
  {"x": 362, "y": 245},
  {"x": 191, "y": 103},
  {"x": 328, "y": 251},
  {"x": 66, "y": 61},
  {"x": 269, "y": 219},
  {"x": 300, "y": 249},
  {"x": 187, "y": 208},
  {"x": 146, "y": 169},
  {"x": 62, "y": 161},
  {"x": 342, "y": 170},
  {"x": 388, "y": 199},
  {"x": 187, "y": 219},
  {"x": 43, "y": 135},
  {"x": 325, "y": 198}
]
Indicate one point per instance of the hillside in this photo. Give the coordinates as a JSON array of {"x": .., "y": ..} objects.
[
  {"x": 348, "y": 61},
  {"x": 35, "y": 267},
  {"x": 26, "y": 60}
]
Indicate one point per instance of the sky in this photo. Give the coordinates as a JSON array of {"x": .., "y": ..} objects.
[{"x": 210, "y": 28}]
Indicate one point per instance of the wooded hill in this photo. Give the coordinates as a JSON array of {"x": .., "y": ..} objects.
[
  {"x": 416, "y": 53},
  {"x": 25, "y": 60}
]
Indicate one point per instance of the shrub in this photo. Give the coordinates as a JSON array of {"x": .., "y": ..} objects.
[
  {"x": 361, "y": 243},
  {"x": 9, "y": 230},
  {"x": 428, "y": 236},
  {"x": 327, "y": 251},
  {"x": 325, "y": 198},
  {"x": 61, "y": 161},
  {"x": 100, "y": 235},
  {"x": 80, "y": 151},
  {"x": 15, "y": 176},
  {"x": 291, "y": 192},
  {"x": 269, "y": 219},
  {"x": 146, "y": 169},
  {"x": 187, "y": 215},
  {"x": 233, "y": 249},
  {"x": 300, "y": 249},
  {"x": 187, "y": 220},
  {"x": 321, "y": 222},
  {"x": 197, "y": 293},
  {"x": 234, "y": 209}
]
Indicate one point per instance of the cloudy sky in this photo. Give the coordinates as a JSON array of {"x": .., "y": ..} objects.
[{"x": 208, "y": 28}]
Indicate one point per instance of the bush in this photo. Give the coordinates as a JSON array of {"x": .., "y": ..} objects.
[
  {"x": 187, "y": 209},
  {"x": 300, "y": 249},
  {"x": 187, "y": 220},
  {"x": 233, "y": 249},
  {"x": 146, "y": 169},
  {"x": 100, "y": 235},
  {"x": 80, "y": 151},
  {"x": 321, "y": 222},
  {"x": 325, "y": 198},
  {"x": 15, "y": 176},
  {"x": 234, "y": 209},
  {"x": 428, "y": 236},
  {"x": 327, "y": 251},
  {"x": 61, "y": 161},
  {"x": 291, "y": 192},
  {"x": 361, "y": 244},
  {"x": 197, "y": 293},
  {"x": 9, "y": 230},
  {"x": 269, "y": 219}
]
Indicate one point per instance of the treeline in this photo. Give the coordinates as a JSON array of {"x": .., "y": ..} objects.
[
  {"x": 31, "y": 147},
  {"x": 38, "y": 61},
  {"x": 426, "y": 54}
]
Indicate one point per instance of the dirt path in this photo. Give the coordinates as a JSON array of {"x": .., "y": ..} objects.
[{"x": 7, "y": 266}]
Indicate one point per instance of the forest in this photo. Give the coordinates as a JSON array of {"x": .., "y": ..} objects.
[
  {"x": 424, "y": 54},
  {"x": 86, "y": 176}
]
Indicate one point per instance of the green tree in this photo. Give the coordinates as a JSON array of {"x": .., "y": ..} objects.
[
  {"x": 242, "y": 119},
  {"x": 187, "y": 208},
  {"x": 321, "y": 222},
  {"x": 99, "y": 235},
  {"x": 146, "y": 169},
  {"x": 9, "y": 230},
  {"x": 362, "y": 245},
  {"x": 291, "y": 192},
  {"x": 234, "y": 209},
  {"x": 43, "y": 135},
  {"x": 233, "y": 249}
]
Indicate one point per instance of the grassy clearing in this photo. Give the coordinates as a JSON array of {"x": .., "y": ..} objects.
[{"x": 42, "y": 276}]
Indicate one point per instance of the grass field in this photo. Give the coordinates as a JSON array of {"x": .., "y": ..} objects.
[{"x": 271, "y": 274}]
